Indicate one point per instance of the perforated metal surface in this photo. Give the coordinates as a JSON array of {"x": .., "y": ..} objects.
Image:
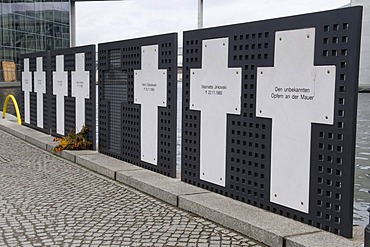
[
  {"x": 115, "y": 89},
  {"x": 33, "y": 95},
  {"x": 69, "y": 107},
  {"x": 119, "y": 117},
  {"x": 248, "y": 142}
]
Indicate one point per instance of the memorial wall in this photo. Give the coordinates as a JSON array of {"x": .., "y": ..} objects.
[
  {"x": 58, "y": 91},
  {"x": 268, "y": 109}
]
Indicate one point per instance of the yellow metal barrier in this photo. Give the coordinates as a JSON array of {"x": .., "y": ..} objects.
[{"x": 15, "y": 106}]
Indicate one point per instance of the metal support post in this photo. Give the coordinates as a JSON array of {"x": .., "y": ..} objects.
[
  {"x": 72, "y": 23},
  {"x": 200, "y": 14}
]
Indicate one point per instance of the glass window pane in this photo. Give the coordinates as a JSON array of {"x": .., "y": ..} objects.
[
  {"x": 58, "y": 43},
  {"x": 18, "y": 7},
  {"x": 7, "y": 37},
  {"x": 39, "y": 10},
  {"x": 31, "y": 41},
  {"x": 58, "y": 29},
  {"x": 65, "y": 34},
  {"x": 65, "y": 43},
  {"x": 29, "y": 8},
  {"x": 19, "y": 23},
  {"x": 49, "y": 43},
  {"x": 40, "y": 44},
  {"x": 48, "y": 11},
  {"x": 49, "y": 28},
  {"x": 30, "y": 24},
  {"x": 7, "y": 19},
  {"x": 20, "y": 39}
]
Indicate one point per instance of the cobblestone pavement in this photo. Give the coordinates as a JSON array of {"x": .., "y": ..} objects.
[{"x": 47, "y": 201}]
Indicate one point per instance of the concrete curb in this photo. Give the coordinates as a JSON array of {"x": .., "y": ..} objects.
[
  {"x": 162, "y": 187},
  {"x": 261, "y": 225},
  {"x": 104, "y": 165},
  {"x": 326, "y": 239},
  {"x": 252, "y": 221}
]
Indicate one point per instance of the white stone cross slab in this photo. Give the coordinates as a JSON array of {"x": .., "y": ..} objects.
[
  {"x": 80, "y": 89},
  {"x": 294, "y": 94},
  {"x": 150, "y": 91},
  {"x": 215, "y": 91},
  {"x": 40, "y": 89},
  {"x": 27, "y": 88},
  {"x": 60, "y": 89}
]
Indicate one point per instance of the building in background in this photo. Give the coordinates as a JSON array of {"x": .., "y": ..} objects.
[
  {"x": 32, "y": 25},
  {"x": 36, "y": 25},
  {"x": 364, "y": 83}
]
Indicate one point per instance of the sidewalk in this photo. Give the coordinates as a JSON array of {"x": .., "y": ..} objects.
[
  {"x": 9, "y": 84},
  {"x": 266, "y": 227}
]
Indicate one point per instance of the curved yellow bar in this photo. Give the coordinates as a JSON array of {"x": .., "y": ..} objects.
[{"x": 15, "y": 106}]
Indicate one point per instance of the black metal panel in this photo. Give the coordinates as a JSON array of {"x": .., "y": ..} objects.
[
  {"x": 103, "y": 126},
  {"x": 33, "y": 96},
  {"x": 33, "y": 110},
  {"x": 251, "y": 45},
  {"x": 119, "y": 117},
  {"x": 90, "y": 109}
]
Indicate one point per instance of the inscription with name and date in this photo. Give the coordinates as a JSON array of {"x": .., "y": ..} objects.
[
  {"x": 149, "y": 87},
  {"x": 79, "y": 83},
  {"x": 217, "y": 90}
]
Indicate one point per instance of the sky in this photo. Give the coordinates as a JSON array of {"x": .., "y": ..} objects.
[{"x": 99, "y": 22}]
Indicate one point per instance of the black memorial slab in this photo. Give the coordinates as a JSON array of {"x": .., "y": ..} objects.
[
  {"x": 32, "y": 57},
  {"x": 69, "y": 55},
  {"x": 248, "y": 146},
  {"x": 119, "y": 116}
]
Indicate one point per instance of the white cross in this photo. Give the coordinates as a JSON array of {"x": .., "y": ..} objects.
[
  {"x": 27, "y": 88},
  {"x": 60, "y": 89},
  {"x": 150, "y": 90},
  {"x": 80, "y": 89},
  {"x": 40, "y": 89},
  {"x": 215, "y": 90},
  {"x": 294, "y": 94}
]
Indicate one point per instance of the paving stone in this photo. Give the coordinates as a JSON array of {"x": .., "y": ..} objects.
[{"x": 49, "y": 201}]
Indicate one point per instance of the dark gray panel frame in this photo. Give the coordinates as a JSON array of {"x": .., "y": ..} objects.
[
  {"x": 90, "y": 104},
  {"x": 251, "y": 45},
  {"x": 119, "y": 117},
  {"x": 33, "y": 100}
]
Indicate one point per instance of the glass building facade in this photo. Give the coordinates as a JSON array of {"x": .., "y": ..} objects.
[{"x": 32, "y": 25}]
